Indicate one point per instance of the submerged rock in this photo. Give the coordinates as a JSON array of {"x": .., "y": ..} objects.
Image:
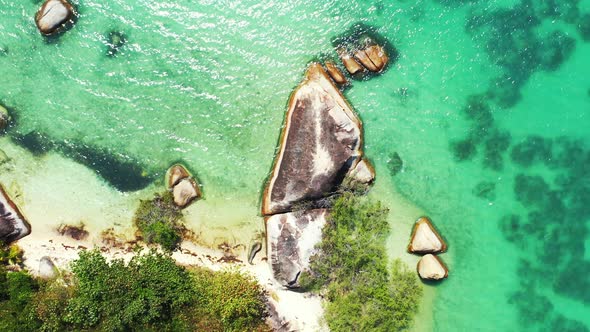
[
  {"x": 52, "y": 15},
  {"x": 425, "y": 238},
  {"x": 13, "y": 226},
  {"x": 431, "y": 267},
  {"x": 115, "y": 40},
  {"x": 291, "y": 242},
  {"x": 320, "y": 143},
  {"x": 335, "y": 73},
  {"x": 47, "y": 269},
  {"x": 185, "y": 192}
]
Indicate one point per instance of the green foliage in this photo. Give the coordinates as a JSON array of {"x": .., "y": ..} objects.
[
  {"x": 10, "y": 254},
  {"x": 160, "y": 221},
  {"x": 16, "y": 312},
  {"x": 150, "y": 293},
  {"x": 363, "y": 292},
  {"x": 235, "y": 300},
  {"x": 118, "y": 297}
]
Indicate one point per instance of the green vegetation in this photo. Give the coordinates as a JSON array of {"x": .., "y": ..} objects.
[
  {"x": 150, "y": 293},
  {"x": 364, "y": 292},
  {"x": 160, "y": 221}
]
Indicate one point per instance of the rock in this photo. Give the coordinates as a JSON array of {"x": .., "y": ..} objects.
[
  {"x": 13, "y": 226},
  {"x": 175, "y": 174},
  {"x": 425, "y": 238},
  {"x": 335, "y": 73},
  {"x": 76, "y": 232},
  {"x": 363, "y": 58},
  {"x": 349, "y": 62},
  {"x": 431, "y": 267},
  {"x": 185, "y": 192},
  {"x": 378, "y": 57},
  {"x": 363, "y": 172},
  {"x": 52, "y": 15},
  {"x": 254, "y": 249},
  {"x": 291, "y": 240},
  {"x": 4, "y": 118},
  {"x": 320, "y": 143},
  {"x": 47, "y": 269}
]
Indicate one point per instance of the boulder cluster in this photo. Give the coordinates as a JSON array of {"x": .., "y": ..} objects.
[
  {"x": 320, "y": 149},
  {"x": 13, "y": 226},
  {"x": 428, "y": 242},
  {"x": 183, "y": 186},
  {"x": 358, "y": 59}
]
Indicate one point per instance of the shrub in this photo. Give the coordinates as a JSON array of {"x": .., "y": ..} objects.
[
  {"x": 351, "y": 266},
  {"x": 235, "y": 300},
  {"x": 117, "y": 297},
  {"x": 160, "y": 221}
]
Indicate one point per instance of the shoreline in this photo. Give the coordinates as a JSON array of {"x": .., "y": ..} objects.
[{"x": 85, "y": 198}]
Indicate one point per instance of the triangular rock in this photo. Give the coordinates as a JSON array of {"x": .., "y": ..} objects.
[
  {"x": 13, "y": 225},
  {"x": 431, "y": 267},
  {"x": 425, "y": 238},
  {"x": 320, "y": 143}
]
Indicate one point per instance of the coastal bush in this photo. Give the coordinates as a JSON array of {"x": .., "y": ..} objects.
[
  {"x": 16, "y": 293},
  {"x": 364, "y": 292},
  {"x": 160, "y": 221},
  {"x": 150, "y": 293},
  {"x": 115, "y": 296}
]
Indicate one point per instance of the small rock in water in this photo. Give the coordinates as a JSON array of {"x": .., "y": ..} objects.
[
  {"x": 175, "y": 174},
  {"x": 52, "y": 15},
  {"x": 349, "y": 62},
  {"x": 3, "y": 50},
  {"x": 185, "y": 192},
  {"x": 115, "y": 41},
  {"x": 4, "y": 118},
  {"x": 47, "y": 269},
  {"x": 395, "y": 163},
  {"x": 431, "y": 267},
  {"x": 425, "y": 238},
  {"x": 335, "y": 73}
]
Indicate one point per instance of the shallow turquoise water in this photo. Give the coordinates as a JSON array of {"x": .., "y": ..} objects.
[{"x": 206, "y": 82}]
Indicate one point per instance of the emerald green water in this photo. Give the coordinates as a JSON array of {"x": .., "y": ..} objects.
[{"x": 206, "y": 82}]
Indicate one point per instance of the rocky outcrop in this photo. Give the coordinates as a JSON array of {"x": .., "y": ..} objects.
[
  {"x": 291, "y": 238},
  {"x": 13, "y": 226},
  {"x": 335, "y": 73},
  {"x": 184, "y": 187},
  {"x": 320, "y": 144},
  {"x": 349, "y": 62},
  {"x": 431, "y": 267},
  {"x": 47, "y": 269},
  {"x": 363, "y": 173},
  {"x": 53, "y": 15},
  {"x": 425, "y": 238}
]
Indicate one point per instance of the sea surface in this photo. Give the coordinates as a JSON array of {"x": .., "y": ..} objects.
[{"x": 487, "y": 105}]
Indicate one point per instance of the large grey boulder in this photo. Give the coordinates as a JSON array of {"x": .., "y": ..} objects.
[
  {"x": 320, "y": 144},
  {"x": 291, "y": 242},
  {"x": 13, "y": 226},
  {"x": 52, "y": 15}
]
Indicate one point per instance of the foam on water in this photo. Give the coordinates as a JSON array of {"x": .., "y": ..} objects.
[{"x": 206, "y": 82}]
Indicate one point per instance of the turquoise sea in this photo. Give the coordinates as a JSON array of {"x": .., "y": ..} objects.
[{"x": 487, "y": 105}]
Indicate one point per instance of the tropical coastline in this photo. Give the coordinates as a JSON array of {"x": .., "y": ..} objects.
[{"x": 478, "y": 122}]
